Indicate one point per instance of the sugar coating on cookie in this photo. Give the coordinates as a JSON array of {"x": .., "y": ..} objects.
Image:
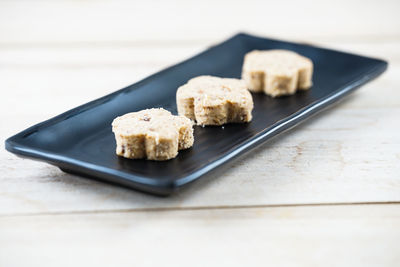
[
  {"x": 209, "y": 100},
  {"x": 153, "y": 134},
  {"x": 277, "y": 72}
]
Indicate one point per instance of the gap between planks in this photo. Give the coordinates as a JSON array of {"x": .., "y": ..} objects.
[
  {"x": 310, "y": 40},
  {"x": 221, "y": 207}
]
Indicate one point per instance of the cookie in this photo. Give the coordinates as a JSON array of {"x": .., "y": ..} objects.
[
  {"x": 209, "y": 100},
  {"x": 277, "y": 72},
  {"x": 153, "y": 134}
]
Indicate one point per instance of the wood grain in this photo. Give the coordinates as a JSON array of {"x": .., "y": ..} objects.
[
  {"x": 347, "y": 154},
  {"x": 336, "y": 157},
  {"x": 355, "y": 235},
  {"x": 126, "y": 21},
  {"x": 292, "y": 202}
]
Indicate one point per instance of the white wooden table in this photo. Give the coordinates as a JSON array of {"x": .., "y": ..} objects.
[{"x": 325, "y": 193}]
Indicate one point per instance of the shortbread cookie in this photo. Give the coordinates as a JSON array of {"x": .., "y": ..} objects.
[
  {"x": 209, "y": 100},
  {"x": 277, "y": 72},
  {"x": 154, "y": 134}
]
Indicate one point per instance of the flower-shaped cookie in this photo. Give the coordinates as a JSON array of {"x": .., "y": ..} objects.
[
  {"x": 277, "y": 72},
  {"x": 209, "y": 100},
  {"x": 154, "y": 134}
]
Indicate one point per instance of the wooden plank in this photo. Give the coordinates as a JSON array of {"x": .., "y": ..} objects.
[
  {"x": 340, "y": 156},
  {"x": 57, "y": 55},
  {"x": 60, "y": 89},
  {"x": 98, "y": 56},
  {"x": 145, "y": 56},
  {"x": 104, "y": 21},
  {"x": 364, "y": 235},
  {"x": 54, "y": 63},
  {"x": 94, "y": 72},
  {"x": 347, "y": 154}
]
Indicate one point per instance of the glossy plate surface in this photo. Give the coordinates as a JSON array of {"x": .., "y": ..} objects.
[{"x": 80, "y": 140}]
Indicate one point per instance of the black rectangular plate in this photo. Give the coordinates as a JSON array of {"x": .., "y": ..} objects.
[{"x": 80, "y": 140}]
